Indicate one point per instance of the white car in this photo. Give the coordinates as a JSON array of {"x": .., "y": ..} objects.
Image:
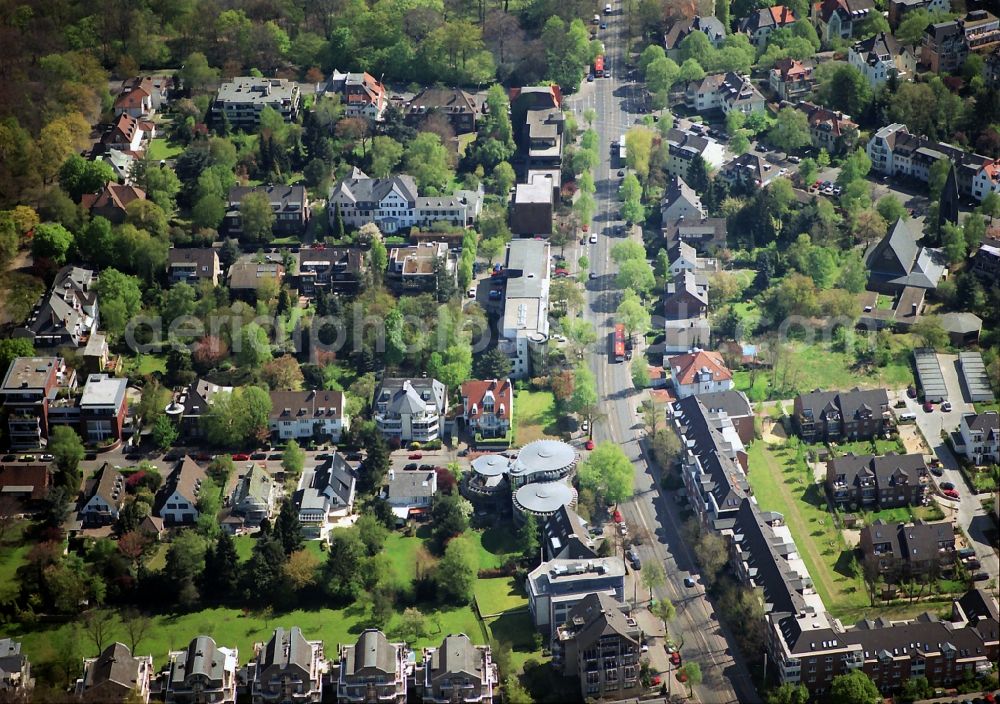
[
  {"x": 585, "y": 426},
  {"x": 593, "y": 239},
  {"x": 472, "y": 292}
]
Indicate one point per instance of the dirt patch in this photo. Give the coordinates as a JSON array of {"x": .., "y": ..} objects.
[
  {"x": 773, "y": 432},
  {"x": 912, "y": 440}
]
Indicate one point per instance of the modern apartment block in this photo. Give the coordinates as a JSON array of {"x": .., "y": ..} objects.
[
  {"x": 900, "y": 552},
  {"x": 203, "y": 672},
  {"x": 884, "y": 481},
  {"x": 288, "y": 669},
  {"x": 457, "y": 672},
  {"x": 556, "y": 586},
  {"x": 821, "y": 416},
  {"x": 30, "y": 386},
  {"x": 410, "y": 409},
  {"x": 525, "y": 323},
  {"x": 242, "y": 99},
  {"x": 980, "y": 433}
]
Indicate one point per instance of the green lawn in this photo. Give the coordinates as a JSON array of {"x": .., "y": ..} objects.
[
  {"x": 534, "y": 416},
  {"x": 755, "y": 392},
  {"x": 781, "y": 483},
  {"x": 14, "y": 550},
  {"x": 865, "y": 447},
  {"x": 145, "y": 364},
  {"x": 495, "y": 596},
  {"x": 494, "y": 544},
  {"x": 159, "y": 149}
]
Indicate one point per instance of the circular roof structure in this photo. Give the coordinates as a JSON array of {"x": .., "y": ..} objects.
[
  {"x": 490, "y": 465},
  {"x": 543, "y": 497},
  {"x": 543, "y": 456}
]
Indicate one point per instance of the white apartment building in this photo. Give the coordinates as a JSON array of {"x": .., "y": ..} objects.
[
  {"x": 525, "y": 323},
  {"x": 980, "y": 437},
  {"x": 411, "y": 409}
]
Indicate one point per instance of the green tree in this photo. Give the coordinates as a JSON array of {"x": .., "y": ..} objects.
[
  {"x": 256, "y": 217},
  {"x": 492, "y": 364},
  {"x": 661, "y": 75},
  {"x": 890, "y": 208},
  {"x": 66, "y": 448},
  {"x": 255, "y": 348},
  {"x": 638, "y": 149},
  {"x": 426, "y": 159},
  {"x": 691, "y": 70},
  {"x": 633, "y": 314},
  {"x": 185, "y": 566},
  {"x": 807, "y": 172},
  {"x": 12, "y": 348},
  {"x": 790, "y": 130},
  {"x": 698, "y": 176},
  {"x": 238, "y": 418},
  {"x": 287, "y": 529},
  {"x": 627, "y": 250},
  {"x": 527, "y": 536},
  {"x": 51, "y": 241},
  {"x": 386, "y": 154},
  {"x": 455, "y": 575},
  {"x": 450, "y": 513},
  {"x": 162, "y": 186},
  {"x": 209, "y": 211},
  {"x": 78, "y": 176},
  {"x": 293, "y": 458},
  {"x": 584, "y": 399},
  {"x": 692, "y": 675},
  {"x": 843, "y": 87},
  {"x": 855, "y": 687},
  {"x": 164, "y": 432},
  {"x": 653, "y": 576},
  {"x": 640, "y": 374},
  {"x": 651, "y": 53},
  {"x": 636, "y": 274},
  {"x": 630, "y": 188},
  {"x": 931, "y": 332},
  {"x": 788, "y": 693},
  {"x": 608, "y": 472},
  {"x": 343, "y": 566},
  {"x": 222, "y": 568},
  {"x": 953, "y": 241},
  {"x": 503, "y": 179}
]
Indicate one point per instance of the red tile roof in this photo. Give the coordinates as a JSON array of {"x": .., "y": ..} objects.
[
  {"x": 473, "y": 393},
  {"x": 782, "y": 15},
  {"x": 113, "y": 196},
  {"x": 685, "y": 367}
]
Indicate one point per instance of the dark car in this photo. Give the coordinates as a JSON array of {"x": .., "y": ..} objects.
[
  {"x": 258, "y": 456},
  {"x": 973, "y": 563},
  {"x": 90, "y": 456},
  {"x": 134, "y": 456},
  {"x": 911, "y": 391},
  {"x": 8, "y": 458},
  {"x": 633, "y": 558},
  {"x": 937, "y": 471},
  {"x": 276, "y": 456},
  {"x": 354, "y": 456},
  {"x": 980, "y": 577},
  {"x": 426, "y": 466},
  {"x": 946, "y": 485},
  {"x": 412, "y": 465}
]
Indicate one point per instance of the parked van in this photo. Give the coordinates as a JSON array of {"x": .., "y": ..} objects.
[
  {"x": 907, "y": 417},
  {"x": 607, "y": 9},
  {"x": 596, "y": 20}
]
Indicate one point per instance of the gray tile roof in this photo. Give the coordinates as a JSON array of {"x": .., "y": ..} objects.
[
  {"x": 371, "y": 653},
  {"x": 115, "y": 665}
]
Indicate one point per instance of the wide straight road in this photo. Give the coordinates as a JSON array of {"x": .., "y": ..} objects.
[{"x": 725, "y": 679}]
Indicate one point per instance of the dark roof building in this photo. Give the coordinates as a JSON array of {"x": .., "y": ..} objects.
[
  {"x": 203, "y": 672},
  {"x": 455, "y": 104},
  {"x": 287, "y": 669},
  {"x": 115, "y": 675},
  {"x": 15, "y": 670},
  {"x": 372, "y": 669},
  {"x": 290, "y": 205},
  {"x": 565, "y": 537},
  {"x": 828, "y": 415},
  {"x": 457, "y": 672},
  {"x": 900, "y": 552},
  {"x": 67, "y": 315},
  {"x": 886, "y": 481}
]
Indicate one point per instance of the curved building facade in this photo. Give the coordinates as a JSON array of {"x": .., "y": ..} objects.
[
  {"x": 542, "y": 461},
  {"x": 542, "y": 499}
]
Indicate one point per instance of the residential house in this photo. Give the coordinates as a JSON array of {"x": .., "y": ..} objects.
[
  {"x": 248, "y": 272},
  {"x": 334, "y": 269},
  {"x": 881, "y": 56},
  {"x": 488, "y": 407},
  {"x": 254, "y": 497},
  {"x": 821, "y": 416},
  {"x": 115, "y": 676},
  {"x": 791, "y": 79},
  {"x": 67, "y": 314},
  {"x": 360, "y": 93},
  {"x": 177, "y": 500},
  {"x": 759, "y": 24},
  {"x": 684, "y": 257},
  {"x": 203, "y": 672},
  {"x": 699, "y": 372},
  {"x": 395, "y": 205},
  {"x": 30, "y": 385},
  {"x": 241, "y": 100},
  {"x": 28, "y": 482},
  {"x": 963, "y": 328},
  {"x": 986, "y": 180},
  {"x": 679, "y": 30},
  {"x": 898, "y": 9},
  {"x": 128, "y": 134},
  {"x": 681, "y": 201},
  {"x": 97, "y": 355},
  {"x": 531, "y": 207},
  {"x": 373, "y": 670},
  {"x": 886, "y": 481},
  {"x": 325, "y": 493},
  {"x": 732, "y": 404},
  {"x": 103, "y": 497},
  {"x": 194, "y": 265},
  {"x": 417, "y": 267},
  {"x": 315, "y": 415},
  {"x": 897, "y": 261},
  {"x": 455, "y": 104},
  {"x": 684, "y": 145},
  {"x": 111, "y": 201},
  {"x": 946, "y": 45},
  {"x": 288, "y": 669},
  {"x": 15, "y": 671},
  {"x": 896, "y": 152},
  {"x": 565, "y": 537},
  {"x": 556, "y": 586},
  {"x": 542, "y": 139},
  {"x": 103, "y": 409},
  {"x": 839, "y": 19},
  {"x": 829, "y": 129},
  {"x": 410, "y": 493},
  {"x": 812, "y": 648},
  {"x": 749, "y": 170},
  {"x": 707, "y": 235},
  {"x": 980, "y": 433},
  {"x": 599, "y": 645},
  {"x": 121, "y": 163},
  {"x": 901, "y": 552},
  {"x": 902, "y": 314},
  {"x": 724, "y": 91},
  {"x": 290, "y": 205},
  {"x": 193, "y": 404},
  {"x": 687, "y": 297},
  {"x": 457, "y": 672},
  {"x": 410, "y": 409},
  {"x": 135, "y": 97},
  {"x": 524, "y": 326}
]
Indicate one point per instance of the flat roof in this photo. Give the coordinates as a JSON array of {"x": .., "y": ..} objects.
[
  {"x": 538, "y": 189},
  {"x": 102, "y": 390},
  {"x": 973, "y": 371},
  {"x": 30, "y": 372},
  {"x": 490, "y": 465},
  {"x": 543, "y": 497},
  {"x": 543, "y": 456},
  {"x": 931, "y": 377}
]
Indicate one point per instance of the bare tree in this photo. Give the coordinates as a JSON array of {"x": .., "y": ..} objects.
[
  {"x": 137, "y": 625},
  {"x": 98, "y": 625}
]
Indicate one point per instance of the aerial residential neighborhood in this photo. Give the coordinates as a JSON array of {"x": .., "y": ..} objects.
[{"x": 514, "y": 352}]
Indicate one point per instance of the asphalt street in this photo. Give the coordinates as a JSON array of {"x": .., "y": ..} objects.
[{"x": 725, "y": 679}]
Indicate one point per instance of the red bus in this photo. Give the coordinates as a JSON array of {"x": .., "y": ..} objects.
[
  {"x": 618, "y": 343},
  {"x": 599, "y": 66}
]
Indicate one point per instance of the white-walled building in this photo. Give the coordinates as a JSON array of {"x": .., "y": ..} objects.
[
  {"x": 881, "y": 56},
  {"x": 980, "y": 437},
  {"x": 308, "y": 414},
  {"x": 178, "y": 498},
  {"x": 325, "y": 494},
  {"x": 411, "y": 409},
  {"x": 699, "y": 372},
  {"x": 525, "y": 323}
]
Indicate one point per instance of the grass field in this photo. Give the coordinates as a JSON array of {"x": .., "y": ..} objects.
[
  {"x": 13, "y": 551},
  {"x": 865, "y": 447},
  {"x": 780, "y": 483},
  {"x": 145, "y": 364},
  {"x": 161, "y": 149},
  {"x": 534, "y": 416},
  {"x": 495, "y": 596},
  {"x": 755, "y": 392}
]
